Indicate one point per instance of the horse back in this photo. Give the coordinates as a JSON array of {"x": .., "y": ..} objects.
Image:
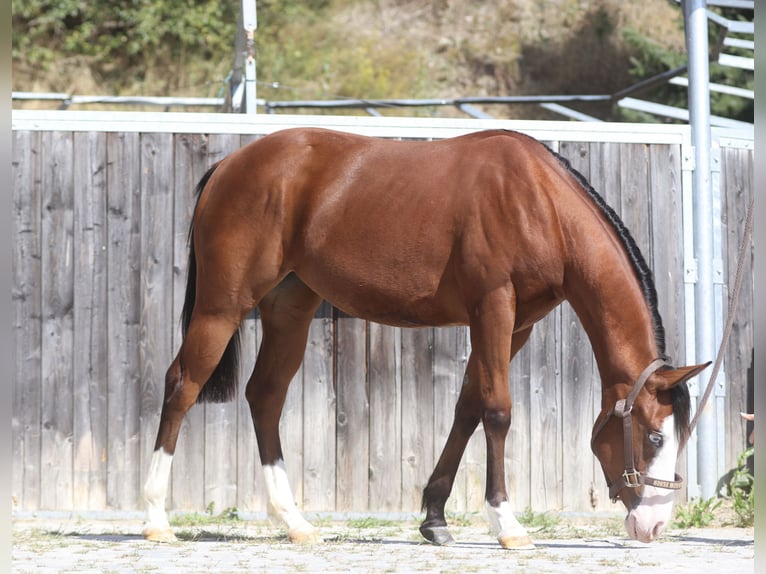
[{"x": 386, "y": 228}]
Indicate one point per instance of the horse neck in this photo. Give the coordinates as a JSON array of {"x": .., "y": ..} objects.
[{"x": 608, "y": 299}]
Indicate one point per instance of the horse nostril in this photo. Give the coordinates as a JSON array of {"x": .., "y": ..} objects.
[{"x": 657, "y": 530}]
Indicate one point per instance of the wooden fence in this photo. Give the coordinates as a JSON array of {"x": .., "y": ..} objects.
[{"x": 101, "y": 220}]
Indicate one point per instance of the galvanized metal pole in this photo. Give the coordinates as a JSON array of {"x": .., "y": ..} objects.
[
  {"x": 696, "y": 25},
  {"x": 250, "y": 22}
]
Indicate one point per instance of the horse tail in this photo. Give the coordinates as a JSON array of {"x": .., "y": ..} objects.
[{"x": 222, "y": 385}]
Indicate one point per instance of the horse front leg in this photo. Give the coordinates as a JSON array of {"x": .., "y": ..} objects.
[
  {"x": 286, "y": 315},
  {"x": 468, "y": 413},
  {"x": 491, "y": 336},
  {"x": 467, "y": 416}
]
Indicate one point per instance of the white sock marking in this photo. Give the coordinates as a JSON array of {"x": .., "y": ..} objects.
[
  {"x": 156, "y": 488},
  {"x": 503, "y": 521},
  {"x": 281, "y": 502}
]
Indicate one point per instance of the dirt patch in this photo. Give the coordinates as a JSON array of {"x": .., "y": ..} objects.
[{"x": 369, "y": 544}]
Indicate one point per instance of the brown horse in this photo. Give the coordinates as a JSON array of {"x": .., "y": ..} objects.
[{"x": 491, "y": 230}]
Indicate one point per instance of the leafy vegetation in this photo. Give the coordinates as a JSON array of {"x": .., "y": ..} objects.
[
  {"x": 741, "y": 490},
  {"x": 227, "y": 515},
  {"x": 698, "y": 513},
  {"x": 538, "y": 521},
  {"x": 316, "y": 49}
]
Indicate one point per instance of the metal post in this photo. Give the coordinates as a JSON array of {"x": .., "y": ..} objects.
[
  {"x": 250, "y": 22},
  {"x": 696, "y": 25}
]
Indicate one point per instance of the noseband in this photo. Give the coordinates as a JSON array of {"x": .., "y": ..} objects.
[{"x": 631, "y": 478}]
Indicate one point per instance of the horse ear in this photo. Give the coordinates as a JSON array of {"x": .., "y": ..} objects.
[{"x": 663, "y": 380}]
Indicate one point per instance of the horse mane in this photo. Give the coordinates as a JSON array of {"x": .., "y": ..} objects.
[
  {"x": 640, "y": 267},
  {"x": 679, "y": 393}
]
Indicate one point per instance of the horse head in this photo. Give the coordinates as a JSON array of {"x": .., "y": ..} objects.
[{"x": 637, "y": 443}]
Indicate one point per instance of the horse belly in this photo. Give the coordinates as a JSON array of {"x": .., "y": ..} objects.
[{"x": 393, "y": 295}]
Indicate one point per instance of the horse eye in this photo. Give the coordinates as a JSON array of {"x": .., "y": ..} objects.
[{"x": 656, "y": 439}]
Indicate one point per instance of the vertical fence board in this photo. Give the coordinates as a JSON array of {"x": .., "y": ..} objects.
[
  {"x": 124, "y": 320},
  {"x": 385, "y": 400},
  {"x": 737, "y": 190},
  {"x": 156, "y": 268},
  {"x": 578, "y": 383},
  {"x": 545, "y": 405},
  {"x": 417, "y": 414},
  {"x": 190, "y": 162},
  {"x": 251, "y": 494},
  {"x": 27, "y": 326},
  {"x": 605, "y": 178},
  {"x": 319, "y": 414},
  {"x": 57, "y": 308},
  {"x": 667, "y": 249},
  {"x": 518, "y": 447},
  {"x": 250, "y": 487},
  {"x": 90, "y": 359},
  {"x": 353, "y": 411},
  {"x": 446, "y": 388},
  {"x": 220, "y": 447}
]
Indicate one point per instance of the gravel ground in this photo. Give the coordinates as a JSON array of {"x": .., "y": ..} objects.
[{"x": 368, "y": 544}]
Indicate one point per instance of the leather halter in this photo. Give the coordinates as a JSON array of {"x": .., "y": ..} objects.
[{"x": 631, "y": 478}]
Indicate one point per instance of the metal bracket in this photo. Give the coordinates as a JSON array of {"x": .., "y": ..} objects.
[
  {"x": 688, "y": 162},
  {"x": 690, "y": 271}
]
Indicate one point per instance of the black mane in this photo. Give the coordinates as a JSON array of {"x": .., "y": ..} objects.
[{"x": 679, "y": 393}]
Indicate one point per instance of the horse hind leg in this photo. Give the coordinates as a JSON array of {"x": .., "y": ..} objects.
[
  {"x": 201, "y": 351},
  {"x": 286, "y": 314}
]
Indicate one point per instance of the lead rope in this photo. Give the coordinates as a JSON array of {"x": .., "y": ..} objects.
[{"x": 729, "y": 323}]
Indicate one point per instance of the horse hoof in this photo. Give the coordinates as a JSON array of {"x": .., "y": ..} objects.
[
  {"x": 516, "y": 542},
  {"x": 438, "y": 535},
  {"x": 159, "y": 534},
  {"x": 304, "y": 536}
]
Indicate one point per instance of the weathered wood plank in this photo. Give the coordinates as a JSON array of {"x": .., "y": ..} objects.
[
  {"x": 518, "y": 455},
  {"x": 250, "y": 487},
  {"x": 385, "y": 419},
  {"x": 737, "y": 190},
  {"x": 220, "y": 446},
  {"x": 353, "y": 411},
  {"x": 190, "y": 163},
  {"x": 605, "y": 178},
  {"x": 27, "y": 324},
  {"x": 156, "y": 270},
  {"x": 417, "y": 415},
  {"x": 90, "y": 355},
  {"x": 446, "y": 388},
  {"x": 123, "y": 199},
  {"x": 667, "y": 244},
  {"x": 56, "y": 448},
  {"x": 578, "y": 383},
  {"x": 291, "y": 433},
  {"x": 545, "y": 405},
  {"x": 319, "y": 414},
  {"x": 251, "y": 495}
]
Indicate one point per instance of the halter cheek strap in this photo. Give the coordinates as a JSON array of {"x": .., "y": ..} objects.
[{"x": 631, "y": 478}]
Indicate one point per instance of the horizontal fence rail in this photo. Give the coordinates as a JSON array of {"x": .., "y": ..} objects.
[{"x": 101, "y": 216}]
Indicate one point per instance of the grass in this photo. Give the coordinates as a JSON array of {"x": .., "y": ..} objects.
[
  {"x": 196, "y": 519},
  {"x": 538, "y": 522},
  {"x": 698, "y": 513}
]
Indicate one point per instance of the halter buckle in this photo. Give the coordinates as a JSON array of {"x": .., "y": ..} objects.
[{"x": 632, "y": 478}]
